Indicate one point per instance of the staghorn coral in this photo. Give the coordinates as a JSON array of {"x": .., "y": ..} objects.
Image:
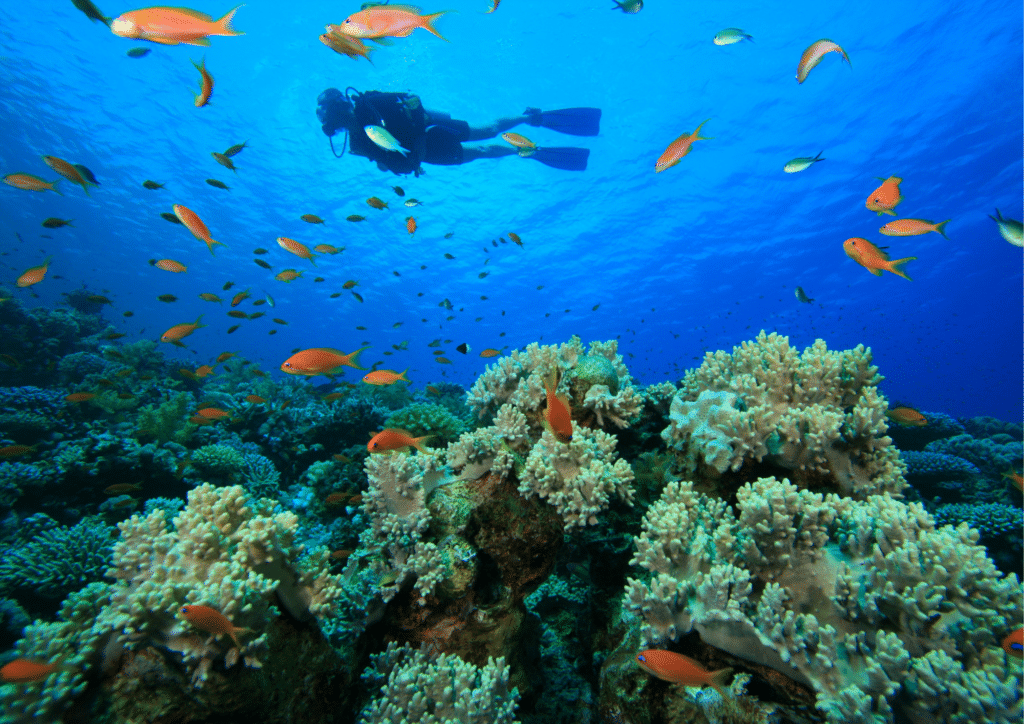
[
  {"x": 816, "y": 414},
  {"x": 59, "y": 560},
  {"x": 856, "y": 599},
  {"x": 417, "y": 687}
]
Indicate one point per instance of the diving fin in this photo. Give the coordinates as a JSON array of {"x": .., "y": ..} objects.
[
  {"x": 574, "y": 121},
  {"x": 566, "y": 158}
]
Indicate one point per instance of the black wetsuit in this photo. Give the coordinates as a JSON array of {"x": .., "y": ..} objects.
[{"x": 427, "y": 136}]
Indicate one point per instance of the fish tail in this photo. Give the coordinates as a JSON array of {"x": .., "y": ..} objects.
[
  {"x": 697, "y": 137},
  {"x": 428, "y": 24},
  {"x": 53, "y": 187},
  {"x": 896, "y": 267},
  {"x": 353, "y": 358},
  {"x": 401, "y": 375},
  {"x": 213, "y": 243},
  {"x": 417, "y": 442},
  {"x": 941, "y": 228},
  {"x": 224, "y": 24},
  {"x": 718, "y": 680}
]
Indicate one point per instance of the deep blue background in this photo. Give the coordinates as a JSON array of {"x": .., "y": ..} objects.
[{"x": 699, "y": 257}]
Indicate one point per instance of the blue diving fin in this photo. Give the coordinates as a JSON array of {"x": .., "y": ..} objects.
[
  {"x": 574, "y": 121},
  {"x": 566, "y": 158}
]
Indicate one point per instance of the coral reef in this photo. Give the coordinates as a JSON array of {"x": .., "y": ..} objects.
[
  {"x": 858, "y": 600},
  {"x": 59, "y": 560},
  {"x": 427, "y": 419},
  {"x": 816, "y": 417},
  {"x": 419, "y": 688}
]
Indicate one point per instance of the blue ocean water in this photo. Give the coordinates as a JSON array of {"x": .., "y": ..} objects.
[{"x": 700, "y": 257}]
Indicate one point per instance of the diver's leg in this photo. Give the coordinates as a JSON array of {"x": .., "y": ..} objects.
[
  {"x": 494, "y": 150},
  {"x": 478, "y": 133}
]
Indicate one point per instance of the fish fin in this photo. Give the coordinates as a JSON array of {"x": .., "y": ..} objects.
[
  {"x": 224, "y": 24},
  {"x": 204, "y": 42},
  {"x": 876, "y": 272},
  {"x": 941, "y": 228},
  {"x": 417, "y": 442},
  {"x": 896, "y": 267},
  {"x": 383, "y": 40},
  {"x": 53, "y": 187},
  {"x": 428, "y": 24},
  {"x": 888, "y": 211},
  {"x": 353, "y": 358},
  {"x": 695, "y": 135},
  {"x": 718, "y": 680},
  {"x": 401, "y": 375}
]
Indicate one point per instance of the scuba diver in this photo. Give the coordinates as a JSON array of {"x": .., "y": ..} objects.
[{"x": 425, "y": 136}]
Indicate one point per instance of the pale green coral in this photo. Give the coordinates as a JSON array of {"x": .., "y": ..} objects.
[
  {"x": 219, "y": 461},
  {"x": 817, "y": 414},
  {"x": 856, "y": 599},
  {"x": 168, "y": 420},
  {"x": 427, "y": 419},
  {"x": 417, "y": 687}
]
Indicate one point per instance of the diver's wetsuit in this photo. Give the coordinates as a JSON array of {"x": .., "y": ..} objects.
[{"x": 430, "y": 137}]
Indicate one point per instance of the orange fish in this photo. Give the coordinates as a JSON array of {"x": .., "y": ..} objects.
[
  {"x": 207, "y": 297},
  {"x": 327, "y": 249},
  {"x": 204, "y": 371},
  {"x": 557, "y": 417},
  {"x": 198, "y": 419},
  {"x": 169, "y": 265},
  {"x": 349, "y": 284},
  {"x": 121, "y": 488},
  {"x": 1016, "y": 478},
  {"x": 28, "y": 182},
  {"x": 356, "y": 500},
  {"x": 212, "y": 621},
  {"x": 914, "y": 227},
  {"x": 34, "y": 275},
  {"x": 813, "y": 55},
  {"x": 194, "y": 224},
  {"x": 80, "y": 396},
  {"x": 525, "y": 146},
  {"x": 393, "y": 439},
  {"x": 311, "y": 219},
  {"x": 907, "y": 416},
  {"x": 1014, "y": 644},
  {"x": 333, "y": 396},
  {"x": 25, "y": 671},
  {"x": 13, "y": 451},
  {"x": 225, "y": 356},
  {"x": 515, "y": 237},
  {"x": 68, "y": 171},
  {"x": 385, "y": 377},
  {"x": 171, "y": 26},
  {"x": 344, "y": 44},
  {"x": 678, "y": 669},
  {"x": 874, "y": 259},
  {"x": 180, "y": 331},
  {"x": 296, "y": 248},
  {"x": 410, "y": 224},
  {"x": 679, "y": 148},
  {"x": 238, "y": 298},
  {"x": 213, "y": 413},
  {"x": 205, "y": 84},
  {"x": 288, "y": 275},
  {"x": 490, "y": 353},
  {"x": 255, "y": 399},
  {"x": 377, "y": 203},
  {"x": 389, "y": 21},
  {"x": 886, "y": 197},
  {"x": 341, "y": 554},
  {"x": 321, "y": 361},
  {"x": 336, "y": 499}
]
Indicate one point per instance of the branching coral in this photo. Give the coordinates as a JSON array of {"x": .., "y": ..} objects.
[{"x": 59, "y": 560}]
